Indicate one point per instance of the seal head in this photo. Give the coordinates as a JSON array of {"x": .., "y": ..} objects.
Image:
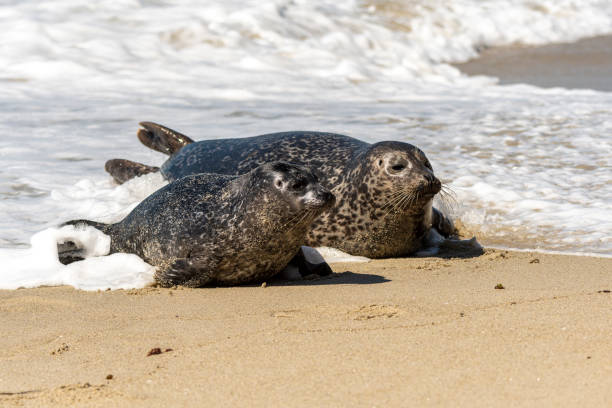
[{"x": 384, "y": 203}]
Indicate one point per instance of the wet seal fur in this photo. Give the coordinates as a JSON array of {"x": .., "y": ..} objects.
[
  {"x": 222, "y": 229},
  {"x": 384, "y": 190}
]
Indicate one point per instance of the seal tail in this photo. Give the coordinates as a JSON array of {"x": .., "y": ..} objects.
[
  {"x": 161, "y": 138},
  {"x": 70, "y": 251},
  {"x": 123, "y": 170}
]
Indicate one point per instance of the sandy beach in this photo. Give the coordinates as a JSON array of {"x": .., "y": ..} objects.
[{"x": 397, "y": 332}]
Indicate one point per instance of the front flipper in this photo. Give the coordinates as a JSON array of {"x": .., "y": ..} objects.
[
  {"x": 309, "y": 261},
  {"x": 123, "y": 170},
  {"x": 443, "y": 224},
  {"x": 184, "y": 272},
  {"x": 161, "y": 138}
]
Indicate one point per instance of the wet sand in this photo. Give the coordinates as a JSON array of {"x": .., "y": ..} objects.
[
  {"x": 584, "y": 64},
  {"x": 397, "y": 332}
]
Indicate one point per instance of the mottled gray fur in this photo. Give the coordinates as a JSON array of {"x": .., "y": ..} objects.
[
  {"x": 211, "y": 228},
  {"x": 384, "y": 190}
]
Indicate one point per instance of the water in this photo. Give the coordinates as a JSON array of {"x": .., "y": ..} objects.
[{"x": 531, "y": 168}]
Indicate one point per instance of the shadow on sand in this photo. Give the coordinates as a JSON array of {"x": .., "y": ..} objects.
[
  {"x": 342, "y": 278},
  {"x": 462, "y": 253}
]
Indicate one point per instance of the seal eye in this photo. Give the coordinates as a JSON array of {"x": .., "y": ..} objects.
[
  {"x": 398, "y": 167},
  {"x": 298, "y": 185}
]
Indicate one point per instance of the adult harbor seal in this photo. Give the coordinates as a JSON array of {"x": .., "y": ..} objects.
[
  {"x": 211, "y": 228},
  {"x": 384, "y": 190}
]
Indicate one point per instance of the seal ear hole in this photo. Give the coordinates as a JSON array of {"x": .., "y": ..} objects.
[
  {"x": 380, "y": 162},
  {"x": 278, "y": 183}
]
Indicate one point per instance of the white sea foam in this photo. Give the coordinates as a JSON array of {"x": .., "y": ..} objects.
[
  {"x": 39, "y": 265},
  {"x": 530, "y": 167}
]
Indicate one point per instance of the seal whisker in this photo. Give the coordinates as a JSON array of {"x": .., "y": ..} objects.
[
  {"x": 412, "y": 199},
  {"x": 448, "y": 198},
  {"x": 400, "y": 205},
  {"x": 449, "y": 191},
  {"x": 291, "y": 222},
  {"x": 409, "y": 198},
  {"x": 297, "y": 220},
  {"x": 394, "y": 203},
  {"x": 407, "y": 203},
  {"x": 393, "y": 199}
]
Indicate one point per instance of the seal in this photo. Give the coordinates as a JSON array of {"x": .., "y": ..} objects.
[
  {"x": 384, "y": 190},
  {"x": 210, "y": 228}
]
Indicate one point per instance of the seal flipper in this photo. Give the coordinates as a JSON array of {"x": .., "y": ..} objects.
[
  {"x": 309, "y": 262},
  {"x": 161, "y": 138},
  {"x": 123, "y": 170},
  {"x": 182, "y": 271},
  {"x": 69, "y": 251},
  {"x": 443, "y": 224}
]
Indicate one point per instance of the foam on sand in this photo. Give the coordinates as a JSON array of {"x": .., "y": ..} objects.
[{"x": 40, "y": 265}]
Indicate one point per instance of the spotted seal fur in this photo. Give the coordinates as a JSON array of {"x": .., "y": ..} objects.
[
  {"x": 211, "y": 228},
  {"x": 384, "y": 190}
]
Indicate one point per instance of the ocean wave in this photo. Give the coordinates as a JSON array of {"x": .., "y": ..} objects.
[{"x": 114, "y": 44}]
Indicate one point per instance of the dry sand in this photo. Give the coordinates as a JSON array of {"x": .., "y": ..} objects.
[
  {"x": 583, "y": 64},
  {"x": 397, "y": 332}
]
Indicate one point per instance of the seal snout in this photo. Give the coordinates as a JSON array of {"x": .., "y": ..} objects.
[
  {"x": 430, "y": 185},
  {"x": 319, "y": 198}
]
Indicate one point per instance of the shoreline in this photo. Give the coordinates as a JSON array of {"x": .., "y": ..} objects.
[
  {"x": 551, "y": 252},
  {"x": 433, "y": 331},
  {"x": 584, "y": 64}
]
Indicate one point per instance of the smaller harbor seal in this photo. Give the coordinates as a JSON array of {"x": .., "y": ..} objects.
[
  {"x": 210, "y": 228},
  {"x": 384, "y": 190}
]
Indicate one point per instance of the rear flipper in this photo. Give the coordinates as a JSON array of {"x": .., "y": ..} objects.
[
  {"x": 69, "y": 252},
  {"x": 161, "y": 138},
  {"x": 77, "y": 246},
  {"x": 123, "y": 170},
  {"x": 184, "y": 272}
]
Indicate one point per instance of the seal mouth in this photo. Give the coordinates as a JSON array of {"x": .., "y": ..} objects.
[
  {"x": 429, "y": 190},
  {"x": 430, "y": 187}
]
